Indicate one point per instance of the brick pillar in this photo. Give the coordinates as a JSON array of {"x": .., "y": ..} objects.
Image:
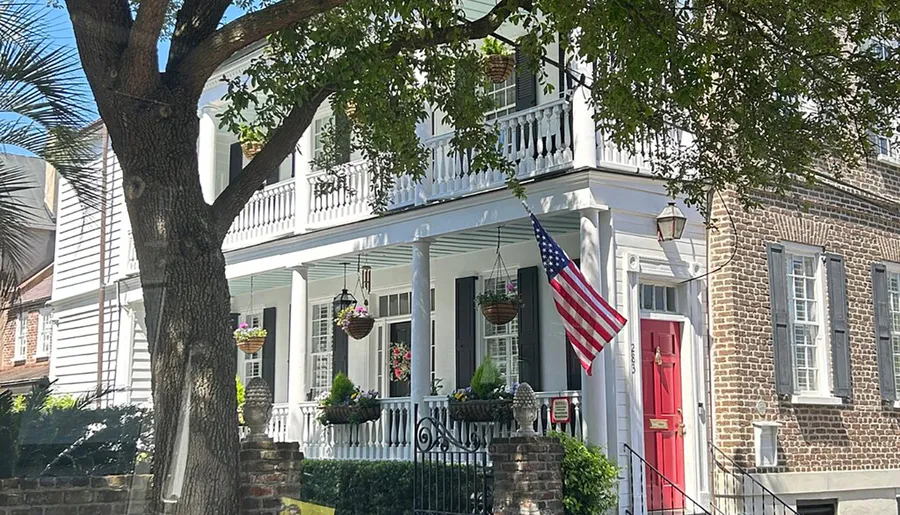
[
  {"x": 269, "y": 472},
  {"x": 527, "y": 475}
]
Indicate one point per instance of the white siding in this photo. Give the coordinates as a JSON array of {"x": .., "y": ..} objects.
[
  {"x": 74, "y": 363},
  {"x": 140, "y": 366}
]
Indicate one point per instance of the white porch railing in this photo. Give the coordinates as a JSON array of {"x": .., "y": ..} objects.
[
  {"x": 269, "y": 213},
  {"x": 536, "y": 141},
  {"x": 390, "y": 437}
]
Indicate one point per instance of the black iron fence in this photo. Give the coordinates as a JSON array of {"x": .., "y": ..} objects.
[
  {"x": 653, "y": 493},
  {"x": 736, "y": 491}
]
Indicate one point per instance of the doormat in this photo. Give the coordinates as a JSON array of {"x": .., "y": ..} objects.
[{"x": 295, "y": 507}]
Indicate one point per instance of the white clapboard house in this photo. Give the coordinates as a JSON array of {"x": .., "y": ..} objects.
[{"x": 286, "y": 256}]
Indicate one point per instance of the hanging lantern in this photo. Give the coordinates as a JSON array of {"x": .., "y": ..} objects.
[
  {"x": 345, "y": 299},
  {"x": 366, "y": 278},
  {"x": 670, "y": 223}
]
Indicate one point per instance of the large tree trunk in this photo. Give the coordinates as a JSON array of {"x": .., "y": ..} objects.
[{"x": 187, "y": 305}]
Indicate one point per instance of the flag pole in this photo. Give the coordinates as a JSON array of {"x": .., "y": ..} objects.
[{"x": 525, "y": 205}]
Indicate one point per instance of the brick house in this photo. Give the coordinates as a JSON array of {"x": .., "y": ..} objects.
[
  {"x": 806, "y": 340},
  {"x": 26, "y": 336}
]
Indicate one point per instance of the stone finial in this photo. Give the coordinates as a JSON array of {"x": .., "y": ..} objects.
[
  {"x": 257, "y": 408},
  {"x": 525, "y": 409}
]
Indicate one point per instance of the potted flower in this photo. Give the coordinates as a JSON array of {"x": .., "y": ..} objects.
[
  {"x": 499, "y": 307},
  {"x": 499, "y": 63},
  {"x": 348, "y": 404},
  {"x": 251, "y": 142},
  {"x": 356, "y": 321},
  {"x": 249, "y": 339},
  {"x": 488, "y": 399},
  {"x": 400, "y": 359}
]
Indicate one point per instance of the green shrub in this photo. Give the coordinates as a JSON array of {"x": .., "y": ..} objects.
[
  {"x": 379, "y": 487},
  {"x": 341, "y": 389},
  {"x": 590, "y": 481},
  {"x": 487, "y": 380}
]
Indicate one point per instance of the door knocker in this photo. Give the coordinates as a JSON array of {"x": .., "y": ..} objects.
[{"x": 658, "y": 357}]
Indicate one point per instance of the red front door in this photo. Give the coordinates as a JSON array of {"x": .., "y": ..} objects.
[{"x": 663, "y": 420}]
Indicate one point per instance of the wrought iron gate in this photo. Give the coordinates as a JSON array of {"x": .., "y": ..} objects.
[{"x": 451, "y": 471}]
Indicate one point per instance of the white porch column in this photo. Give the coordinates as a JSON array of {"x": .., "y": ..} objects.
[
  {"x": 421, "y": 322},
  {"x": 206, "y": 155},
  {"x": 297, "y": 350},
  {"x": 302, "y": 190},
  {"x": 593, "y": 388},
  {"x": 584, "y": 132},
  {"x": 607, "y": 235}
]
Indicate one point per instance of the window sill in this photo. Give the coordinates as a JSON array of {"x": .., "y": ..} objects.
[
  {"x": 888, "y": 160},
  {"x": 816, "y": 400}
]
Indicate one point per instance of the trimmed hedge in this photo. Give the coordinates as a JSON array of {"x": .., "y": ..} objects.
[{"x": 375, "y": 487}]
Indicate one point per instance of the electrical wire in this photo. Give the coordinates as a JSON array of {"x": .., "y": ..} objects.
[{"x": 734, "y": 247}]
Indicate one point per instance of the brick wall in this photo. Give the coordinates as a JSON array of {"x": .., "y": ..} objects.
[
  {"x": 109, "y": 495},
  {"x": 8, "y": 337},
  {"x": 861, "y": 434},
  {"x": 527, "y": 475}
]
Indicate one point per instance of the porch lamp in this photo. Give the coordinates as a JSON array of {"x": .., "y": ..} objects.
[
  {"x": 670, "y": 223},
  {"x": 345, "y": 299}
]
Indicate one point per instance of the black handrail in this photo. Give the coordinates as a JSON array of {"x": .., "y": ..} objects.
[
  {"x": 672, "y": 505},
  {"x": 751, "y": 503}
]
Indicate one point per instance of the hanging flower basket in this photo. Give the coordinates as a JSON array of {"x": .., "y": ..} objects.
[
  {"x": 251, "y": 148},
  {"x": 337, "y": 415},
  {"x": 499, "y": 67},
  {"x": 250, "y": 339},
  {"x": 356, "y": 321},
  {"x": 500, "y": 313},
  {"x": 495, "y": 410}
]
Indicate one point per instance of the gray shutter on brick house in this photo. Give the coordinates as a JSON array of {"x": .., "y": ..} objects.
[
  {"x": 465, "y": 330},
  {"x": 883, "y": 347},
  {"x": 526, "y": 84},
  {"x": 529, "y": 327},
  {"x": 781, "y": 338},
  {"x": 268, "y": 350},
  {"x": 840, "y": 329},
  {"x": 340, "y": 351}
]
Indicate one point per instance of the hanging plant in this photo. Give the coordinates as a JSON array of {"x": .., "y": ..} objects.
[
  {"x": 249, "y": 339},
  {"x": 400, "y": 361},
  {"x": 499, "y": 306},
  {"x": 356, "y": 321},
  {"x": 498, "y": 62}
]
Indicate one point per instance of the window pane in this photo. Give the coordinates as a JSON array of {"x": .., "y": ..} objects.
[
  {"x": 382, "y": 305},
  {"x": 393, "y": 305},
  {"x": 404, "y": 304},
  {"x": 670, "y": 299}
]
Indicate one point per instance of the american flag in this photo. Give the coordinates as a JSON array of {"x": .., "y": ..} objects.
[{"x": 589, "y": 321}]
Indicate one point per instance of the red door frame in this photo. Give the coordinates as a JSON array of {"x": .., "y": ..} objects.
[{"x": 663, "y": 413}]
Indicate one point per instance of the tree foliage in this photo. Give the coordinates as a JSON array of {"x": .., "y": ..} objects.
[{"x": 753, "y": 95}]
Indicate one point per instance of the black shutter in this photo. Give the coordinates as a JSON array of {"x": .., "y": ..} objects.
[
  {"x": 781, "y": 338},
  {"x": 837, "y": 313},
  {"x": 883, "y": 346},
  {"x": 465, "y": 330},
  {"x": 529, "y": 328},
  {"x": 342, "y": 133},
  {"x": 235, "y": 162},
  {"x": 573, "y": 364},
  {"x": 268, "y": 350},
  {"x": 340, "y": 353},
  {"x": 235, "y": 322},
  {"x": 526, "y": 84},
  {"x": 273, "y": 176}
]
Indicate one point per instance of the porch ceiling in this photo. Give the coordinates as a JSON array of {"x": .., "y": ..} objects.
[{"x": 398, "y": 255}]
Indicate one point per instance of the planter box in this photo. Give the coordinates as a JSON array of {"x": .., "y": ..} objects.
[
  {"x": 338, "y": 415},
  {"x": 497, "y": 410}
]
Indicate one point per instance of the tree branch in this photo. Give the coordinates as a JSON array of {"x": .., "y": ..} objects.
[
  {"x": 208, "y": 54},
  {"x": 195, "y": 21},
  {"x": 284, "y": 139},
  {"x": 141, "y": 61}
]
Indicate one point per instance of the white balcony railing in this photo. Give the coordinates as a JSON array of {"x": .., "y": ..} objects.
[
  {"x": 536, "y": 141},
  {"x": 270, "y": 213},
  {"x": 390, "y": 437}
]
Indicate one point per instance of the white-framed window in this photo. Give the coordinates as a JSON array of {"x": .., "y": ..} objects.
[
  {"x": 398, "y": 304},
  {"x": 658, "y": 298},
  {"x": 318, "y": 138},
  {"x": 45, "y": 332},
  {"x": 504, "y": 98},
  {"x": 806, "y": 306},
  {"x": 21, "y": 337},
  {"x": 320, "y": 336},
  {"x": 501, "y": 342},
  {"x": 894, "y": 304},
  {"x": 253, "y": 362}
]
